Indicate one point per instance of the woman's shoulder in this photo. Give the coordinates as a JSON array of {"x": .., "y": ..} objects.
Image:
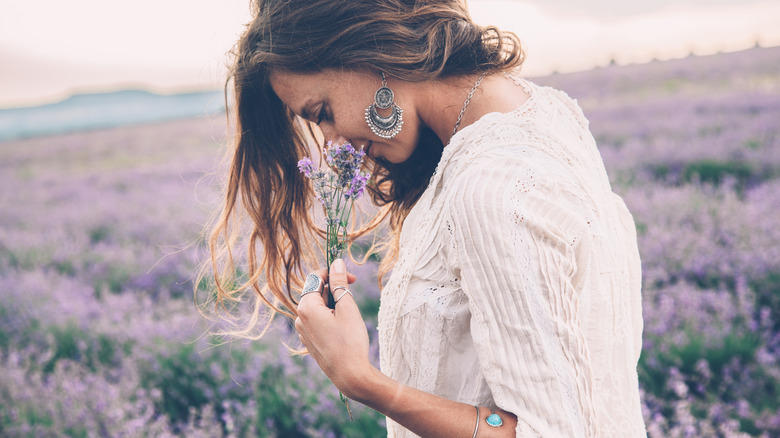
[
  {"x": 546, "y": 111},
  {"x": 517, "y": 176},
  {"x": 546, "y": 96},
  {"x": 500, "y": 154},
  {"x": 548, "y": 133},
  {"x": 489, "y": 180}
]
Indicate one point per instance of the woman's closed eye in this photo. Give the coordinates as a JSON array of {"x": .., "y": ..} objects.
[{"x": 316, "y": 117}]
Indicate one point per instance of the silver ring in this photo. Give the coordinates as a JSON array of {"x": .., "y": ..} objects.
[
  {"x": 346, "y": 291},
  {"x": 313, "y": 284}
]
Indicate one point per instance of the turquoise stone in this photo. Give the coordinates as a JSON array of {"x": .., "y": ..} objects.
[{"x": 494, "y": 420}]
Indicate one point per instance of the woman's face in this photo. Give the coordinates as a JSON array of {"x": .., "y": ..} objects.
[{"x": 337, "y": 100}]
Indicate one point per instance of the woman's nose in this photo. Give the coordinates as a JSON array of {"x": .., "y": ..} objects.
[{"x": 331, "y": 135}]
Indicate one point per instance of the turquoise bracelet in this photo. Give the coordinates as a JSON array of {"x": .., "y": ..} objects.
[{"x": 493, "y": 420}]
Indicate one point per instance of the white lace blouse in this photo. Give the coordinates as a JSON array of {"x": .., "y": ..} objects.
[{"x": 518, "y": 279}]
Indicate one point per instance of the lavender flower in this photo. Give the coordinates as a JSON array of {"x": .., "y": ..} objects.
[
  {"x": 337, "y": 188},
  {"x": 306, "y": 166}
]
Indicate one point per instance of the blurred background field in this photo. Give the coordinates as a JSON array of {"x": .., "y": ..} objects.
[{"x": 100, "y": 236}]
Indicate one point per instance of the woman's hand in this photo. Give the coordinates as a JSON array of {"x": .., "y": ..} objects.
[{"x": 336, "y": 338}]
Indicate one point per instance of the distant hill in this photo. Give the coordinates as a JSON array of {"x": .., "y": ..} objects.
[
  {"x": 105, "y": 110},
  {"x": 750, "y": 70}
]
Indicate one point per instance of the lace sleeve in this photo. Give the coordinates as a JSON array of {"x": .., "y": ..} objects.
[{"x": 516, "y": 240}]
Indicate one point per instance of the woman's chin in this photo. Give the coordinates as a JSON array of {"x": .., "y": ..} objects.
[{"x": 375, "y": 152}]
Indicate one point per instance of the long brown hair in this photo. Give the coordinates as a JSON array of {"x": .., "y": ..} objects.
[{"x": 411, "y": 40}]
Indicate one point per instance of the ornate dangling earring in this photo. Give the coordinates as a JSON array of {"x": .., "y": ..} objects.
[{"x": 385, "y": 127}]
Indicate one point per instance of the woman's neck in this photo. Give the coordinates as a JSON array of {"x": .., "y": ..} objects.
[{"x": 440, "y": 102}]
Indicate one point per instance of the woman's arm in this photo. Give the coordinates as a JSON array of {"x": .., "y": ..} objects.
[
  {"x": 519, "y": 243},
  {"x": 338, "y": 341},
  {"x": 426, "y": 414}
]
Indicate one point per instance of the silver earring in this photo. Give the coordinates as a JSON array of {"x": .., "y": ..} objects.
[{"x": 385, "y": 127}]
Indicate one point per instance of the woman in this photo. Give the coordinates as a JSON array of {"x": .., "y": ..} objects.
[{"x": 513, "y": 308}]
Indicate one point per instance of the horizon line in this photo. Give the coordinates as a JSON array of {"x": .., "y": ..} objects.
[{"x": 175, "y": 90}]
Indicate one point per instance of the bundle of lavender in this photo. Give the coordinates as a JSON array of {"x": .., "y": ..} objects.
[{"x": 337, "y": 187}]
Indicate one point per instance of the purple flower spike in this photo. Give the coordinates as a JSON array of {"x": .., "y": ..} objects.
[
  {"x": 357, "y": 185},
  {"x": 306, "y": 166}
]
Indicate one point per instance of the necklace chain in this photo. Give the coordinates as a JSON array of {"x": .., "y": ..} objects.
[
  {"x": 466, "y": 103},
  {"x": 460, "y": 117}
]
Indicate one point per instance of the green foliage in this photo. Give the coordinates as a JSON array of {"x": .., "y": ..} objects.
[
  {"x": 274, "y": 401},
  {"x": 14, "y": 334},
  {"x": 716, "y": 351},
  {"x": 287, "y": 394},
  {"x": 766, "y": 399},
  {"x": 65, "y": 267},
  {"x": 741, "y": 347},
  {"x": 113, "y": 279},
  {"x": 767, "y": 291},
  {"x": 660, "y": 171},
  {"x": 369, "y": 307},
  {"x": 712, "y": 280},
  {"x": 752, "y": 144},
  {"x": 5, "y": 334},
  {"x": 98, "y": 234},
  {"x": 715, "y": 172},
  {"x": 710, "y": 130},
  {"x": 32, "y": 416},
  {"x": 93, "y": 350},
  {"x": 711, "y": 172},
  {"x": 25, "y": 259},
  {"x": 184, "y": 378}
]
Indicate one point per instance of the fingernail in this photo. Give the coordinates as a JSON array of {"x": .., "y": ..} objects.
[{"x": 338, "y": 267}]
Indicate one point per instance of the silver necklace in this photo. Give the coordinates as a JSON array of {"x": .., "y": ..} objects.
[
  {"x": 466, "y": 103},
  {"x": 457, "y": 122}
]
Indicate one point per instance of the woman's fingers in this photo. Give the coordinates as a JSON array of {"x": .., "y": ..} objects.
[
  {"x": 339, "y": 286},
  {"x": 329, "y": 283},
  {"x": 336, "y": 338},
  {"x": 323, "y": 273},
  {"x": 338, "y": 274},
  {"x": 346, "y": 311},
  {"x": 343, "y": 279}
]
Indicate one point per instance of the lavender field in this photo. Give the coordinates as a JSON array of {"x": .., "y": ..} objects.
[{"x": 100, "y": 234}]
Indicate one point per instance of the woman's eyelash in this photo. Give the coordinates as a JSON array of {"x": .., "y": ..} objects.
[{"x": 321, "y": 116}]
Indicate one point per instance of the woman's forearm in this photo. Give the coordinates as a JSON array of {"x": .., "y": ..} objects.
[{"x": 427, "y": 415}]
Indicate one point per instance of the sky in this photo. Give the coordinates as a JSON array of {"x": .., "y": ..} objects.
[{"x": 50, "y": 49}]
